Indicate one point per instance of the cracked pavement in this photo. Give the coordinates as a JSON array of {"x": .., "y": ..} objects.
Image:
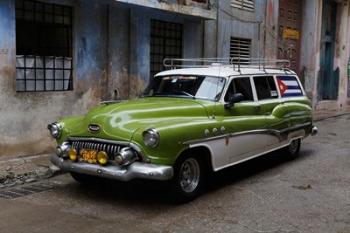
[{"x": 268, "y": 194}]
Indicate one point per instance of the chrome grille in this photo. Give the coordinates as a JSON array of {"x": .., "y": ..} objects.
[{"x": 109, "y": 148}]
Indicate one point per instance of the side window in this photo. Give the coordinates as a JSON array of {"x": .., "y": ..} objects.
[
  {"x": 265, "y": 87},
  {"x": 240, "y": 85},
  {"x": 289, "y": 86}
]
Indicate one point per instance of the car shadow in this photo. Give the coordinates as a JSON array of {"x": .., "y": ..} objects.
[{"x": 150, "y": 193}]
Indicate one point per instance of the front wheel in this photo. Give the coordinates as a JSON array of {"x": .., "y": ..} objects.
[{"x": 188, "y": 178}]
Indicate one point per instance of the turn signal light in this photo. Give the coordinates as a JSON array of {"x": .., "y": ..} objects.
[
  {"x": 102, "y": 157},
  {"x": 72, "y": 154}
]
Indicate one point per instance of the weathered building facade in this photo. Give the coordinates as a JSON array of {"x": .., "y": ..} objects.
[
  {"x": 60, "y": 57},
  {"x": 312, "y": 34}
]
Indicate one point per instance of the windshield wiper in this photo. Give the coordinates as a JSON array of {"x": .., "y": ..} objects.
[{"x": 184, "y": 93}]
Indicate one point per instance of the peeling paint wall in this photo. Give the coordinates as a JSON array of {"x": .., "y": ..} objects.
[
  {"x": 310, "y": 55},
  {"x": 24, "y": 116},
  {"x": 111, "y": 54}
]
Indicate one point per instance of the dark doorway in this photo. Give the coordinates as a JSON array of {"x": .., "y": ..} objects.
[{"x": 328, "y": 76}]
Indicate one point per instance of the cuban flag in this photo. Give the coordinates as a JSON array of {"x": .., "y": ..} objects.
[{"x": 289, "y": 86}]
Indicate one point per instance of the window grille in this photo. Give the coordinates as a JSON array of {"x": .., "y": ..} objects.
[
  {"x": 240, "y": 50},
  {"x": 166, "y": 42},
  {"x": 248, "y": 5},
  {"x": 44, "y": 46}
]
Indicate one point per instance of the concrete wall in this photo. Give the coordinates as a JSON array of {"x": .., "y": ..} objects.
[
  {"x": 310, "y": 56},
  {"x": 24, "y": 116},
  {"x": 234, "y": 22},
  {"x": 111, "y": 53}
]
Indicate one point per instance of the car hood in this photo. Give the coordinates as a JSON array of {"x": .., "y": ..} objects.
[{"x": 119, "y": 121}]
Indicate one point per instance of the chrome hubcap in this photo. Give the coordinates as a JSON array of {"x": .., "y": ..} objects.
[
  {"x": 293, "y": 146},
  {"x": 189, "y": 175}
]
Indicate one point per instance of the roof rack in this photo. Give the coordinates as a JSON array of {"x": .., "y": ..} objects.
[{"x": 235, "y": 62}]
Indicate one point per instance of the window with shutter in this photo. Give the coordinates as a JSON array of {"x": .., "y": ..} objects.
[
  {"x": 248, "y": 5},
  {"x": 240, "y": 50}
]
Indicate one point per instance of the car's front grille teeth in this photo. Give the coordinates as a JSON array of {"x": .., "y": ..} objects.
[{"x": 110, "y": 149}]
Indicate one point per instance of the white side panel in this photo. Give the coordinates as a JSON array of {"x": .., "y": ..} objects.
[
  {"x": 227, "y": 152},
  {"x": 230, "y": 150}
]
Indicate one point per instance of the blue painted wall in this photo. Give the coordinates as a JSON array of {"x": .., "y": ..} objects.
[{"x": 111, "y": 52}]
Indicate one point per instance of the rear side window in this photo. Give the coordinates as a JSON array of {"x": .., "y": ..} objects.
[
  {"x": 240, "y": 85},
  {"x": 265, "y": 87},
  {"x": 289, "y": 86}
]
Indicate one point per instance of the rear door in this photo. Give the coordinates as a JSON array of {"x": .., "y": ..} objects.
[
  {"x": 267, "y": 94},
  {"x": 268, "y": 99}
]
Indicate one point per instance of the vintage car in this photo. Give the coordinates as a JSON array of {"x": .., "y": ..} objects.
[{"x": 188, "y": 123}]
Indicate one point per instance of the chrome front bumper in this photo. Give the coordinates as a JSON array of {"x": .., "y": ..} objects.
[{"x": 123, "y": 173}]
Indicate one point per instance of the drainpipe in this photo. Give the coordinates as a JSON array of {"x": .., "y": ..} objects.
[
  {"x": 217, "y": 27},
  {"x": 349, "y": 77}
]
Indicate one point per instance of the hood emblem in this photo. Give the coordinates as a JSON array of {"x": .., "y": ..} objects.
[{"x": 94, "y": 128}]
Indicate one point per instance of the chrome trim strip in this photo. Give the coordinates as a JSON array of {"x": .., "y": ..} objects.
[
  {"x": 229, "y": 135},
  {"x": 123, "y": 173},
  {"x": 277, "y": 133},
  {"x": 296, "y": 127}
]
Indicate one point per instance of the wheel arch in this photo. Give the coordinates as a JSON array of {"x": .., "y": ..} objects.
[{"x": 201, "y": 152}]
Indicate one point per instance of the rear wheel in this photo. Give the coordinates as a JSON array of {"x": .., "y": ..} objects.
[
  {"x": 188, "y": 178},
  {"x": 292, "y": 150}
]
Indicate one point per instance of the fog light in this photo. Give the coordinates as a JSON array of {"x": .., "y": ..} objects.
[
  {"x": 63, "y": 149},
  {"x": 102, "y": 157},
  {"x": 126, "y": 156},
  {"x": 59, "y": 151},
  {"x": 118, "y": 159},
  {"x": 72, "y": 154}
]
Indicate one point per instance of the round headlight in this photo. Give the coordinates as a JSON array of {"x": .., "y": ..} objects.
[
  {"x": 151, "y": 138},
  {"x": 55, "y": 129}
]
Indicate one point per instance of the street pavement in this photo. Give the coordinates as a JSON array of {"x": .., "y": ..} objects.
[{"x": 268, "y": 194}]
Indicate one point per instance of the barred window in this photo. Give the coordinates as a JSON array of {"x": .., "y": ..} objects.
[
  {"x": 166, "y": 42},
  {"x": 240, "y": 50},
  {"x": 44, "y": 46}
]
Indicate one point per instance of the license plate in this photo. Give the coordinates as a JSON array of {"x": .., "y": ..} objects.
[{"x": 89, "y": 156}]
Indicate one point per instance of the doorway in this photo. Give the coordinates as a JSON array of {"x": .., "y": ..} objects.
[
  {"x": 328, "y": 76},
  {"x": 290, "y": 16}
]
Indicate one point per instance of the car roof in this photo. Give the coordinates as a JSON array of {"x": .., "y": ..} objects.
[{"x": 224, "y": 71}]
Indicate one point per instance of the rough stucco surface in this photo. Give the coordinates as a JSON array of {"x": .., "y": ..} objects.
[
  {"x": 111, "y": 54},
  {"x": 24, "y": 116},
  {"x": 229, "y": 26}
]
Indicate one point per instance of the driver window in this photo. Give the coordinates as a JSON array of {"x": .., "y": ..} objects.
[{"x": 240, "y": 85}]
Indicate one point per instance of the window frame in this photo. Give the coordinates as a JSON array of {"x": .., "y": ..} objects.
[
  {"x": 242, "y": 42},
  {"x": 66, "y": 10},
  {"x": 274, "y": 81},
  {"x": 298, "y": 81},
  {"x": 163, "y": 26},
  {"x": 232, "y": 80},
  {"x": 239, "y": 5}
]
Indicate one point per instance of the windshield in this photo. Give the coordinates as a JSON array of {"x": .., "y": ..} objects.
[{"x": 201, "y": 87}]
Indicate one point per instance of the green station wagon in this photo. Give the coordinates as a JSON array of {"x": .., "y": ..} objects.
[{"x": 188, "y": 123}]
